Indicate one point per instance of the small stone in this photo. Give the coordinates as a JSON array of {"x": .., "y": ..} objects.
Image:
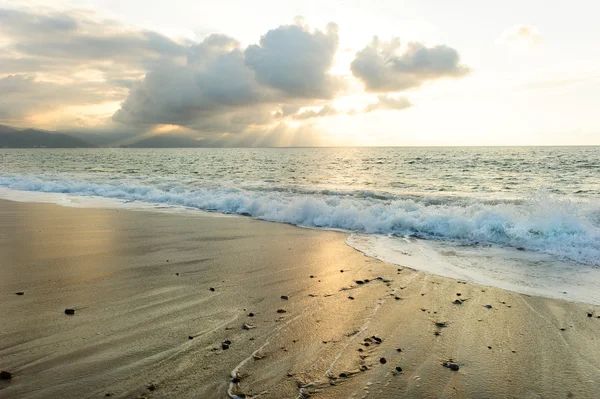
[
  {"x": 360, "y": 349},
  {"x": 458, "y": 294},
  {"x": 342, "y": 271},
  {"x": 284, "y": 297},
  {"x": 436, "y": 333},
  {"x": 359, "y": 282},
  {"x": 177, "y": 274},
  {"x": 190, "y": 337},
  {"x": 19, "y": 293},
  {"x": 488, "y": 306},
  {"x": 458, "y": 302},
  {"x": 366, "y": 280},
  {"x": 382, "y": 360},
  {"x": 235, "y": 380},
  {"x": 399, "y": 350},
  {"x": 167, "y": 260},
  {"x": 5, "y": 375},
  {"x": 151, "y": 387},
  {"x": 377, "y": 339},
  {"x": 489, "y": 347},
  {"x": 563, "y": 329},
  {"x": 343, "y": 375},
  {"x": 350, "y": 297},
  {"x": 70, "y": 311},
  {"x": 451, "y": 366},
  {"x": 211, "y": 289},
  {"x": 311, "y": 276},
  {"x": 224, "y": 346},
  {"x": 590, "y": 315},
  {"x": 399, "y": 369},
  {"x": 281, "y": 311},
  {"x": 107, "y": 395},
  {"x": 250, "y": 314},
  {"x": 397, "y": 298}
]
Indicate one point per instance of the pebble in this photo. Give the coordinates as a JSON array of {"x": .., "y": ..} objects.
[
  {"x": 341, "y": 271},
  {"x": 235, "y": 380},
  {"x": 70, "y": 311},
  {"x": 19, "y": 293},
  {"x": 284, "y": 297},
  {"x": 177, "y": 274},
  {"x": 190, "y": 337},
  {"x": 590, "y": 314},
  {"x": 458, "y": 294},
  {"x": 488, "y": 306},
  {"x": 383, "y": 360},
  {"x": 399, "y": 350},
  {"x": 359, "y": 282},
  {"x": 225, "y": 345},
  {"x": 458, "y": 302},
  {"x": 311, "y": 276},
  {"x": 281, "y": 311},
  {"x": 399, "y": 369},
  {"x": 350, "y": 297},
  {"x": 151, "y": 387},
  {"x": 250, "y": 314},
  {"x": 5, "y": 375},
  {"x": 451, "y": 366},
  {"x": 211, "y": 289}
]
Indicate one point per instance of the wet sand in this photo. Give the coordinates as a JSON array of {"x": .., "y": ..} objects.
[{"x": 147, "y": 323}]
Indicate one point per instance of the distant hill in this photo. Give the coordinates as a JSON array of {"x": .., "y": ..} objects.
[
  {"x": 167, "y": 141},
  {"x": 32, "y": 138}
]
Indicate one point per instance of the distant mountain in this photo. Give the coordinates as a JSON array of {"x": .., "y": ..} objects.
[
  {"x": 32, "y": 138},
  {"x": 167, "y": 141}
]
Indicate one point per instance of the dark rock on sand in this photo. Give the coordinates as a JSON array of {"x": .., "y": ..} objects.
[
  {"x": 399, "y": 369},
  {"x": 5, "y": 375},
  {"x": 350, "y": 297},
  {"x": 151, "y": 387},
  {"x": 343, "y": 375},
  {"x": 458, "y": 302},
  {"x": 284, "y": 297},
  {"x": 377, "y": 339},
  {"x": 359, "y": 282},
  {"x": 250, "y": 314},
  {"x": 235, "y": 380},
  {"x": 342, "y": 271},
  {"x": 451, "y": 366},
  {"x": 211, "y": 289},
  {"x": 19, "y": 293},
  {"x": 190, "y": 337},
  {"x": 281, "y": 311},
  {"x": 458, "y": 294},
  {"x": 70, "y": 311},
  {"x": 364, "y": 367},
  {"x": 488, "y": 306},
  {"x": 311, "y": 276},
  {"x": 382, "y": 360},
  {"x": 177, "y": 274},
  {"x": 224, "y": 346},
  {"x": 590, "y": 315}
]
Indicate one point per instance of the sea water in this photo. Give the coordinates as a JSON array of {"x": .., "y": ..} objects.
[{"x": 520, "y": 218}]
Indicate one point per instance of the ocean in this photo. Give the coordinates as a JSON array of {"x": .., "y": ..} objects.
[{"x": 520, "y": 218}]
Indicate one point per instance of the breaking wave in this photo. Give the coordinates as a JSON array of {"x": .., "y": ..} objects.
[{"x": 568, "y": 230}]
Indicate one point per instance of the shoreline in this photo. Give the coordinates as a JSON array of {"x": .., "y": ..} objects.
[{"x": 140, "y": 283}]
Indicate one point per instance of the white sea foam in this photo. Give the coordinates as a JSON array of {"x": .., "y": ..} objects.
[
  {"x": 564, "y": 229},
  {"x": 493, "y": 265}
]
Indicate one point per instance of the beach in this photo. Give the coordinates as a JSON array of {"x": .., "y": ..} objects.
[{"x": 191, "y": 305}]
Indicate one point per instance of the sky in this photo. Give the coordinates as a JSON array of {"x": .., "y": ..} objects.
[{"x": 304, "y": 73}]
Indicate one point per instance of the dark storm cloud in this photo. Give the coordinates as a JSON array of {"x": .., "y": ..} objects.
[{"x": 382, "y": 69}]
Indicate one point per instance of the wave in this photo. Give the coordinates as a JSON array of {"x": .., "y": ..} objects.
[{"x": 565, "y": 229}]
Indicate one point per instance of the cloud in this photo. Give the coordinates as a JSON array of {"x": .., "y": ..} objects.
[
  {"x": 296, "y": 61},
  {"x": 521, "y": 35},
  {"x": 382, "y": 68},
  {"x": 326, "y": 110},
  {"x": 74, "y": 66},
  {"x": 385, "y": 102},
  {"x": 22, "y": 95}
]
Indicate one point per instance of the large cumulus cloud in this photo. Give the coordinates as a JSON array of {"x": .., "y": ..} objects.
[
  {"x": 296, "y": 61},
  {"x": 382, "y": 68},
  {"x": 221, "y": 87}
]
